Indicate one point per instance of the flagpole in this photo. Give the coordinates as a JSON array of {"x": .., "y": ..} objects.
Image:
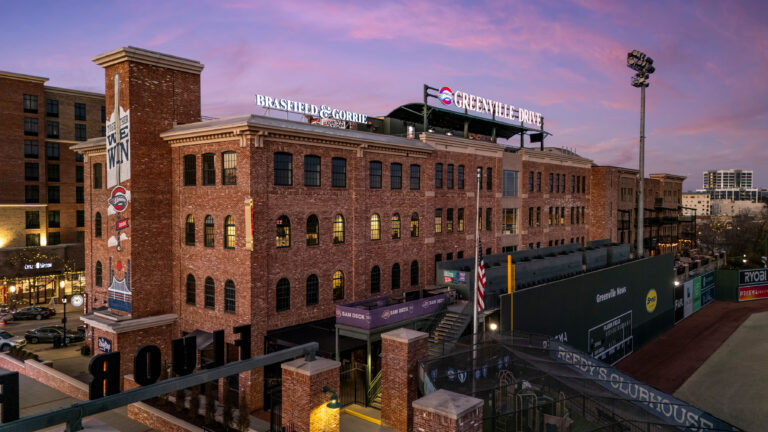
[{"x": 475, "y": 296}]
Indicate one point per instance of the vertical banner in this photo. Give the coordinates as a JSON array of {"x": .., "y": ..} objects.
[
  {"x": 688, "y": 300},
  {"x": 697, "y": 293},
  {"x": 118, "y": 149},
  {"x": 679, "y": 302}
]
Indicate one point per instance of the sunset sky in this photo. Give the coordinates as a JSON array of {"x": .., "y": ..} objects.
[{"x": 707, "y": 106}]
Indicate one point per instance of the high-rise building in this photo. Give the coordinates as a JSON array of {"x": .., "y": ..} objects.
[{"x": 733, "y": 184}]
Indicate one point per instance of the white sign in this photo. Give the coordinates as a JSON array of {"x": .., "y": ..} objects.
[
  {"x": 37, "y": 266},
  {"x": 118, "y": 151},
  {"x": 322, "y": 111},
  {"x": 479, "y": 104}
]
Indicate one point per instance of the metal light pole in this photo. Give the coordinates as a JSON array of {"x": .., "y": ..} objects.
[{"x": 643, "y": 66}]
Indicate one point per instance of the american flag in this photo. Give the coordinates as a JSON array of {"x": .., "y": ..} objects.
[{"x": 480, "y": 278}]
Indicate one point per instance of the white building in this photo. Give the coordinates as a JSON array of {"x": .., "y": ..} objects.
[
  {"x": 735, "y": 208},
  {"x": 730, "y": 184},
  {"x": 696, "y": 201}
]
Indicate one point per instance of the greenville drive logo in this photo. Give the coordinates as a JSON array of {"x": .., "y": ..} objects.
[
  {"x": 118, "y": 200},
  {"x": 650, "y": 300},
  {"x": 445, "y": 95}
]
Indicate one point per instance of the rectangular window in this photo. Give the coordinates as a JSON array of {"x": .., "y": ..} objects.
[
  {"x": 52, "y": 129},
  {"x": 395, "y": 176},
  {"x": 578, "y": 184},
  {"x": 573, "y": 184},
  {"x": 415, "y": 177},
  {"x": 79, "y": 111},
  {"x": 562, "y": 215},
  {"x": 530, "y": 216},
  {"x": 312, "y": 171},
  {"x": 190, "y": 171},
  {"x": 538, "y": 216},
  {"x": 339, "y": 172},
  {"x": 572, "y": 215},
  {"x": 550, "y": 216},
  {"x": 551, "y": 182},
  {"x": 209, "y": 170},
  {"x": 479, "y": 174},
  {"x": 509, "y": 183},
  {"x": 33, "y": 239},
  {"x": 54, "y": 238},
  {"x": 489, "y": 178},
  {"x": 31, "y": 194},
  {"x": 30, "y": 149},
  {"x": 54, "y": 219},
  {"x": 97, "y": 175},
  {"x": 438, "y": 176},
  {"x": 374, "y": 175},
  {"x": 32, "y": 219},
  {"x": 449, "y": 176},
  {"x": 31, "y": 171},
  {"x": 584, "y": 185},
  {"x": 577, "y": 216},
  {"x": 449, "y": 220},
  {"x": 52, "y": 150},
  {"x": 283, "y": 169},
  {"x": 438, "y": 221},
  {"x": 583, "y": 219},
  {"x": 229, "y": 168},
  {"x": 488, "y": 219},
  {"x": 79, "y": 174},
  {"x": 30, "y": 126},
  {"x": 530, "y": 181},
  {"x": 80, "y": 132},
  {"x": 509, "y": 221},
  {"x": 103, "y": 131},
  {"x": 53, "y": 195},
  {"x": 461, "y": 220},
  {"x": 557, "y": 182},
  {"x": 79, "y": 196},
  {"x": 30, "y": 103},
  {"x": 538, "y": 181},
  {"x": 461, "y": 177},
  {"x": 103, "y": 114},
  {"x": 80, "y": 218},
  {"x": 53, "y": 172},
  {"x": 52, "y": 107}
]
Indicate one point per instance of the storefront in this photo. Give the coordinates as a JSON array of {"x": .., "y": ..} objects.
[{"x": 30, "y": 276}]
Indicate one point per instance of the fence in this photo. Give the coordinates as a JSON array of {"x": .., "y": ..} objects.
[{"x": 352, "y": 382}]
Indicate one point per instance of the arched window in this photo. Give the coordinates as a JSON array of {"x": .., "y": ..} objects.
[
  {"x": 375, "y": 279},
  {"x": 229, "y": 232},
  {"x": 229, "y": 296},
  {"x": 189, "y": 231},
  {"x": 375, "y": 227},
  {"x": 396, "y": 226},
  {"x": 338, "y": 229},
  {"x": 97, "y": 225},
  {"x": 210, "y": 293},
  {"x": 313, "y": 290},
  {"x": 415, "y": 224},
  {"x": 98, "y": 274},
  {"x": 208, "y": 242},
  {"x": 283, "y": 225},
  {"x": 191, "y": 289},
  {"x": 414, "y": 273},
  {"x": 283, "y": 295},
  {"x": 395, "y": 276},
  {"x": 313, "y": 228},
  {"x": 338, "y": 285}
]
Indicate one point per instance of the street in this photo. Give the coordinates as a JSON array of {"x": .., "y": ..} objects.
[{"x": 19, "y": 327}]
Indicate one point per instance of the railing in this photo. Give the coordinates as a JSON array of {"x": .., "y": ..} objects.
[{"x": 374, "y": 389}]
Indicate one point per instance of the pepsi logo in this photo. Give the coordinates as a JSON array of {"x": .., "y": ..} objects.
[{"x": 445, "y": 95}]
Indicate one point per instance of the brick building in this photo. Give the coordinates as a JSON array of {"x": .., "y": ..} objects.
[{"x": 41, "y": 198}]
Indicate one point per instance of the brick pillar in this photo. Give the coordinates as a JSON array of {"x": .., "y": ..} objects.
[
  {"x": 401, "y": 349},
  {"x": 445, "y": 411},
  {"x": 304, "y": 403}
]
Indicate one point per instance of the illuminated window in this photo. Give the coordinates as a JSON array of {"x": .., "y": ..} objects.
[
  {"x": 438, "y": 221},
  {"x": 375, "y": 227},
  {"x": 338, "y": 229},
  {"x": 229, "y": 168},
  {"x": 396, "y": 226},
  {"x": 461, "y": 220},
  {"x": 415, "y": 224},
  {"x": 210, "y": 293},
  {"x": 449, "y": 220},
  {"x": 313, "y": 290},
  {"x": 189, "y": 231},
  {"x": 414, "y": 273},
  {"x": 338, "y": 285},
  {"x": 375, "y": 279},
  {"x": 313, "y": 226},
  {"x": 509, "y": 221},
  {"x": 191, "y": 289},
  {"x": 208, "y": 228},
  {"x": 229, "y": 233},
  {"x": 229, "y": 296},
  {"x": 283, "y": 226},
  {"x": 395, "y": 276}
]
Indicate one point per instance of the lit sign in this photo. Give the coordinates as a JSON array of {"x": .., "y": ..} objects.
[
  {"x": 37, "y": 266},
  {"x": 488, "y": 106},
  {"x": 104, "y": 344},
  {"x": 322, "y": 111}
]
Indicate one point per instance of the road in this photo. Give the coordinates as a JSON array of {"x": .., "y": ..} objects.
[{"x": 18, "y": 328}]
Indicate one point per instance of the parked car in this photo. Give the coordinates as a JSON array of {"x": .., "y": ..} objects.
[
  {"x": 5, "y": 317},
  {"x": 47, "y": 334},
  {"x": 8, "y": 340},
  {"x": 51, "y": 311},
  {"x": 33, "y": 312}
]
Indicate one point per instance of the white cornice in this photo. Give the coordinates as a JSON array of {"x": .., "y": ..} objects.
[
  {"x": 128, "y": 325},
  {"x": 74, "y": 92},
  {"x": 140, "y": 55},
  {"x": 22, "y": 77}
]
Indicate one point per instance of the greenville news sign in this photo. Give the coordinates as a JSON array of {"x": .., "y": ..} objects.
[
  {"x": 483, "y": 105},
  {"x": 322, "y": 111}
]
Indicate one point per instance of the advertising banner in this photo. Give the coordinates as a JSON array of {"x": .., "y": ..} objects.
[
  {"x": 688, "y": 301},
  {"x": 707, "y": 288},
  {"x": 454, "y": 276},
  {"x": 697, "y": 293},
  {"x": 753, "y": 277},
  {"x": 754, "y": 292},
  {"x": 374, "y": 313},
  {"x": 679, "y": 303}
]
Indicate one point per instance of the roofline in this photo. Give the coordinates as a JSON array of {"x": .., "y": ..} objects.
[
  {"x": 671, "y": 176},
  {"x": 141, "y": 55},
  {"x": 631, "y": 170},
  {"x": 22, "y": 77},
  {"x": 75, "y": 92}
]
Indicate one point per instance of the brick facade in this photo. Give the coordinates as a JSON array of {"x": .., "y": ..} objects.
[
  {"x": 304, "y": 406},
  {"x": 445, "y": 411},
  {"x": 401, "y": 351}
]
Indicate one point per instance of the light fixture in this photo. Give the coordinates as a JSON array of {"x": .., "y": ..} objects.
[
  {"x": 334, "y": 403},
  {"x": 677, "y": 283},
  {"x": 13, "y": 289},
  {"x": 493, "y": 326},
  {"x": 61, "y": 284}
]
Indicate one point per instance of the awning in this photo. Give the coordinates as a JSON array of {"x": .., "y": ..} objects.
[{"x": 203, "y": 339}]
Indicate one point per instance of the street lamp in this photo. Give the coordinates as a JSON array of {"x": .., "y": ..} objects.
[
  {"x": 643, "y": 67},
  {"x": 64, "y": 320}
]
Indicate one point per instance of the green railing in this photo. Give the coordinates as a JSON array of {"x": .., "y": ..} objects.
[{"x": 374, "y": 389}]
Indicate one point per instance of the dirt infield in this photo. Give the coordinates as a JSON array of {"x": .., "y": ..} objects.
[{"x": 673, "y": 357}]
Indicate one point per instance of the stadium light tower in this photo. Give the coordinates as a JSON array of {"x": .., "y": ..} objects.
[{"x": 643, "y": 67}]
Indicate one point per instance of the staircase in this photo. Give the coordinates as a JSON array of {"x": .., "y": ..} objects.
[
  {"x": 448, "y": 330},
  {"x": 374, "y": 392}
]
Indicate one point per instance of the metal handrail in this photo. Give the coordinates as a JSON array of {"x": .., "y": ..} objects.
[{"x": 374, "y": 389}]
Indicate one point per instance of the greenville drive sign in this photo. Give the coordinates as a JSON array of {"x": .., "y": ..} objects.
[{"x": 483, "y": 105}]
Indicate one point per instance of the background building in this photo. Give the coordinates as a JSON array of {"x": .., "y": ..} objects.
[
  {"x": 733, "y": 184},
  {"x": 696, "y": 203},
  {"x": 42, "y": 193}
]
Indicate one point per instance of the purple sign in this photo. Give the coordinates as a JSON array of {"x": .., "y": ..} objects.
[{"x": 375, "y": 312}]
